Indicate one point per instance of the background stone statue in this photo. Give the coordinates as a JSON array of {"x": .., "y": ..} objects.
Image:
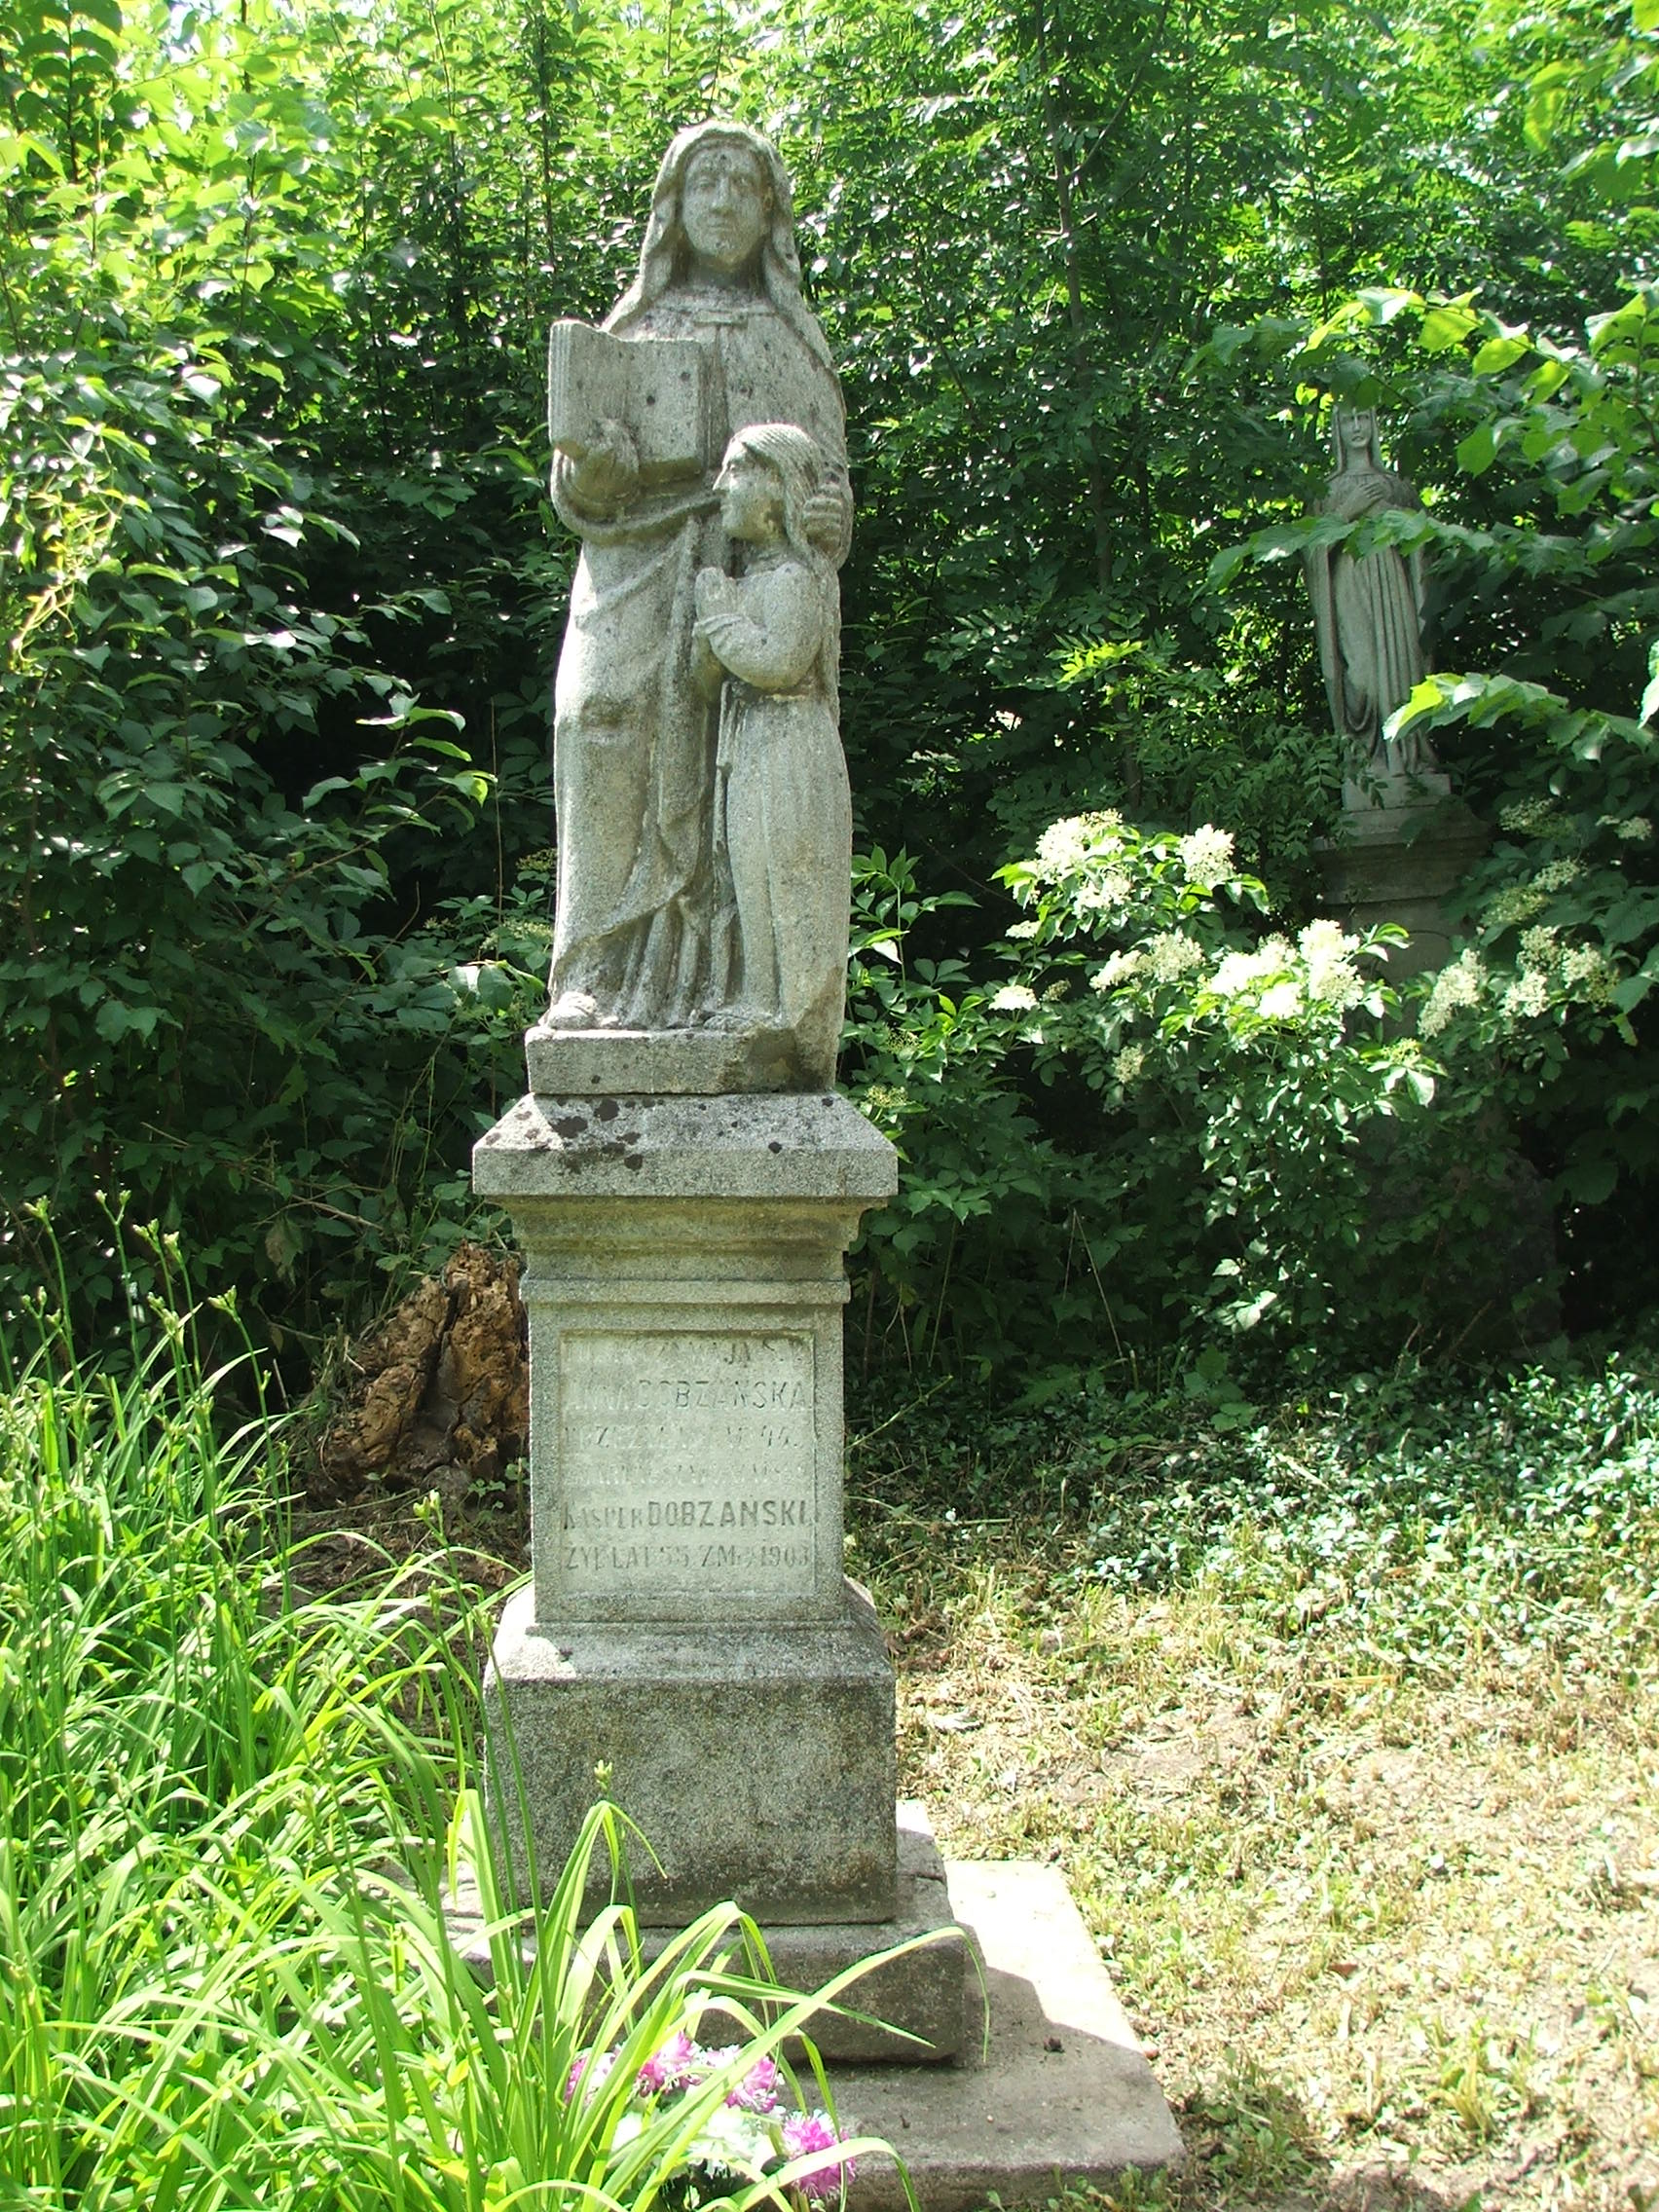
[
  {"x": 642, "y": 939},
  {"x": 1368, "y": 612}
]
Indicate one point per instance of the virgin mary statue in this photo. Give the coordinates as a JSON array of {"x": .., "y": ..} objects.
[
  {"x": 636, "y": 716},
  {"x": 1368, "y": 615}
]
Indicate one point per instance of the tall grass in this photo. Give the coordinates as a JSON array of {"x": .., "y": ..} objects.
[{"x": 227, "y": 1812}]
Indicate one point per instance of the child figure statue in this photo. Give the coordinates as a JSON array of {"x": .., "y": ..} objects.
[{"x": 783, "y": 810}]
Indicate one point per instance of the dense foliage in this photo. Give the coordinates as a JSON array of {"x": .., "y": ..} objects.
[
  {"x": 282, "y": 595},
  {"x": 223, "y": 1811}
]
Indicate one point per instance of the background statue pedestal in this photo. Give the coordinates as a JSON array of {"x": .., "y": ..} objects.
[{"x": 1399, "y": 862}]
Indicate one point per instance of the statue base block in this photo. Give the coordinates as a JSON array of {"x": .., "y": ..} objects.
[
  {"x": 1059, "y": 2092},
  {"x": 757, "y": 1761},
  {"x": 1400, "y": 864},
  {"x": 704, "y": 1063}
]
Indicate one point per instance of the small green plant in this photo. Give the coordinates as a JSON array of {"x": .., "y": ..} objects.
[
  {"x": 1478, "y": 2076},
  {"x": 1256, "y": 2138}
]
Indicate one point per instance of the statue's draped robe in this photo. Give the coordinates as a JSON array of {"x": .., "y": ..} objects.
[
  {"x": 633, "y": 733},
  {"x": 784, "y": 809},
  {"x": 1370, "y": 639}
]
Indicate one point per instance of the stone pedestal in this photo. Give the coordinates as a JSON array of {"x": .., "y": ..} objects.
[
  {"x": 1399, "y": 862},
  {"x": 690, "y": 1645}
]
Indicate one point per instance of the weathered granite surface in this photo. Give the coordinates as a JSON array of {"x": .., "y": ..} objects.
[
  {"x": 690, "y": 1631},
  {"x": 1400, "y": 864},
  {"x": 813, "y": 1146},
  {"x": 758, "y": 1761},
  {"x": 1060, "y": 2093},
  {"x": 684, "y": 1278}
]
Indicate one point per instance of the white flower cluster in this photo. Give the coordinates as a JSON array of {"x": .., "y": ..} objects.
[
  {"x": 1457, "y": 985},
  {"x": 1580, "y": 970},
  {"x": 1206, "y": 855},
  {"x": 1239, "y": 972},
  {"x": 730, "y": 2141},
  {"x": 1530, "y": 817},
  {"x": 1528, "y": 996},
  {"x": 1068, "y": 845},
  {"x": 1519, "y": 904},
  {"x": 1637, "y": 830},
  {"x": 1556, "y": 876},
  {"x": 1099, "y": 894},
  {"x": 1128, "y": 1065},
  {"x": 1024, "y": 928},
  {"x": 1173, "y": 955},
  {"x": 1117, "y": 970},
  {"x": 1014, "y": 998},
  {"x": 1331, "y": 977}
]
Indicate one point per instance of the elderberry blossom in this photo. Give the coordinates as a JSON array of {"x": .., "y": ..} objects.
[
  {"x": 1173, "y": 956},
  {"x": 1331, "y": 977},
  {"x": 1556, "y": 876},
  {"x": 1066, "y": 846},
  {"x": 1529, "y": 995},
  {"x": 1117, "y": 970},
  {"x": 1206, "y": 855},
  {"x": 1459, "y": 985}
]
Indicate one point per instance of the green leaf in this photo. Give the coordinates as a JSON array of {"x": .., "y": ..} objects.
[
  {"x": 1500, "y": 354},
  {"x": 1446, "y": 326},
  {"x": 1477, "y": 451}
]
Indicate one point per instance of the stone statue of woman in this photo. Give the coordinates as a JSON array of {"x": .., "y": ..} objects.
[
  {"x": 1368, "y": 613},
  {"x": 636, "y": 710}
]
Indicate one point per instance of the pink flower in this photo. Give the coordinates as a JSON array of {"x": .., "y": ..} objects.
[
  {"x": 675, "y": 2066},
  {"x": 591, "y": 2067},
  {"x": 758, "y": 2091},
  {"x": 805, "y": 2133}
]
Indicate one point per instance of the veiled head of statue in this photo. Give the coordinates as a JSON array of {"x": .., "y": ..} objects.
[
  {"x": 1355, "y": 437},
  {"x": 730, "y": 161}
]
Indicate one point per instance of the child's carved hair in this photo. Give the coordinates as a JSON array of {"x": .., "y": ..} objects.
[
  {"x": 798, "y": 464},
  {"x": 797, "y": 459}
]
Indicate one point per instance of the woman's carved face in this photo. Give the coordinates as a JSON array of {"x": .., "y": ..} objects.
[
  {"x": 724, "y": 206},
  {"x": 1358, "y": 424}
]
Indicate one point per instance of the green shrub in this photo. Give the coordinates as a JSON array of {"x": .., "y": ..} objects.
[
  {"x": 228, "y": 1812},
  {"x": 1155, "y": 1127}
]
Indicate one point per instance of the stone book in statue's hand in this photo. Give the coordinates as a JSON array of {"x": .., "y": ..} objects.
[{"x": 653, "y": 386}]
